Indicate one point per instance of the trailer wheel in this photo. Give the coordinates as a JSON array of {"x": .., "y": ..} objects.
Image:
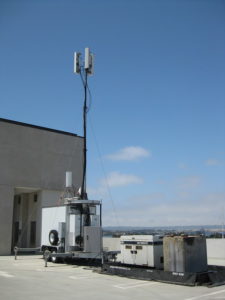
[
  {"x": 79, "y": 239},
  {"x": 53, "y": 237}
]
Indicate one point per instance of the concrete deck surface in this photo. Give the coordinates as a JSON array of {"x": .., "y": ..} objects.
[{"x": 27, "y": 278}]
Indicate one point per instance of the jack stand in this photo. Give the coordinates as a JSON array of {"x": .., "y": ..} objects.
[
  {"x": 15, "y": 251},
  {"x": 46, "y": 257}
]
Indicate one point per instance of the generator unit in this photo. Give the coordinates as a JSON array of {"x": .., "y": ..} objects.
[{"x": 142, "y": 250}]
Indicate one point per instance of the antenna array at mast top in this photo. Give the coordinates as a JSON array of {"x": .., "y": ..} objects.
[{"x": 88, "y": 63}]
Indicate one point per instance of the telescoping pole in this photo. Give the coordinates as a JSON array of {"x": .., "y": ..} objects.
[
  {"x": 83, "y": 188},
  {"x": 87, "y": 69}
]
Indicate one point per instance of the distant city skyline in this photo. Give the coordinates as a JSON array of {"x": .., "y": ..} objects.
[{"x": 156, "y": 125}]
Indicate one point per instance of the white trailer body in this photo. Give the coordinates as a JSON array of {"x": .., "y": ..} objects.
[
  {"x": 51, "y": 217},
  {"x": 143, "y": 250}
]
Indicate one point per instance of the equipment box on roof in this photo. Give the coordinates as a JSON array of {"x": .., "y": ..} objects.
[
  {"x": 185, "y": 254},
  {"x": 143, "y": 250}
]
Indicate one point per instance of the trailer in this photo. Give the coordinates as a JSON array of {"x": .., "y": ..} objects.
[{"x": 72, "y": 230}]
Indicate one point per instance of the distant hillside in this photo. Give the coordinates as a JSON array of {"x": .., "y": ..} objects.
[{"x": 191, "y": 227}]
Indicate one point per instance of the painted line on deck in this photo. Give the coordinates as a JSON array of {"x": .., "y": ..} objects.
[
  {"x": 81, "y": 277},
  {"x": 126, "y": 286},
  {"x": 58, "y": 270},
  {"x": 6, "y": 275},
  {"x": 19, "y": 264},
  {"x": 133, "y": 282},
  {"x": 206, "y": 295}
]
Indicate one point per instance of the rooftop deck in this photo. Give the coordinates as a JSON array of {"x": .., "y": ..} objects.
[{"x": 27, "y": 278}]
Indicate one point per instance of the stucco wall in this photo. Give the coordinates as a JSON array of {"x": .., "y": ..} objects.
[
  {"x": 31, "y": 157},
  {"x": 6, "y": 215}
]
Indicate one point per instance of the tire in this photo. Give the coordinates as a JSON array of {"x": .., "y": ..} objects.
[
  {"x": 55, "y": 260},
  {"x": 53, "y": 237},
  {"x": 79, "y": 240}
]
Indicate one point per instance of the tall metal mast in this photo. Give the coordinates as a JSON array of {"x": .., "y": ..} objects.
[{"x": 84, "y": 68}]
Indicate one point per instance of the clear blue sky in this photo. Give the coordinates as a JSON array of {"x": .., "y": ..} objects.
[{"x": 158, "y": 107}]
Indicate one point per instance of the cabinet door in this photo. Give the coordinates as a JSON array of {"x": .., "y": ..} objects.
[{"x": 92, "y": 239}]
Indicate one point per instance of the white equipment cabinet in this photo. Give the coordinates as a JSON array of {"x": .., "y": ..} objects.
[
  {"x": 143, "y": 250},
  {"x": 92, "y": 239}
]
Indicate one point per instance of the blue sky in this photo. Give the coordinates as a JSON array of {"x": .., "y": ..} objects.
[{"x": 158, "y": 98}]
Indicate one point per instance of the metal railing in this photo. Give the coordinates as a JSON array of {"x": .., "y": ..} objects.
[{"x": 25, "y": 250}]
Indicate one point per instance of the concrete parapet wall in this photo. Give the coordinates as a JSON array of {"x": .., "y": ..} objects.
[
  {"x": 216, "y": 251},
  {"x": 111, "y": 244}
]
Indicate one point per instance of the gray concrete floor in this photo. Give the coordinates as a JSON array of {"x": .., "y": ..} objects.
[{"x": 27, "y": 278}]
